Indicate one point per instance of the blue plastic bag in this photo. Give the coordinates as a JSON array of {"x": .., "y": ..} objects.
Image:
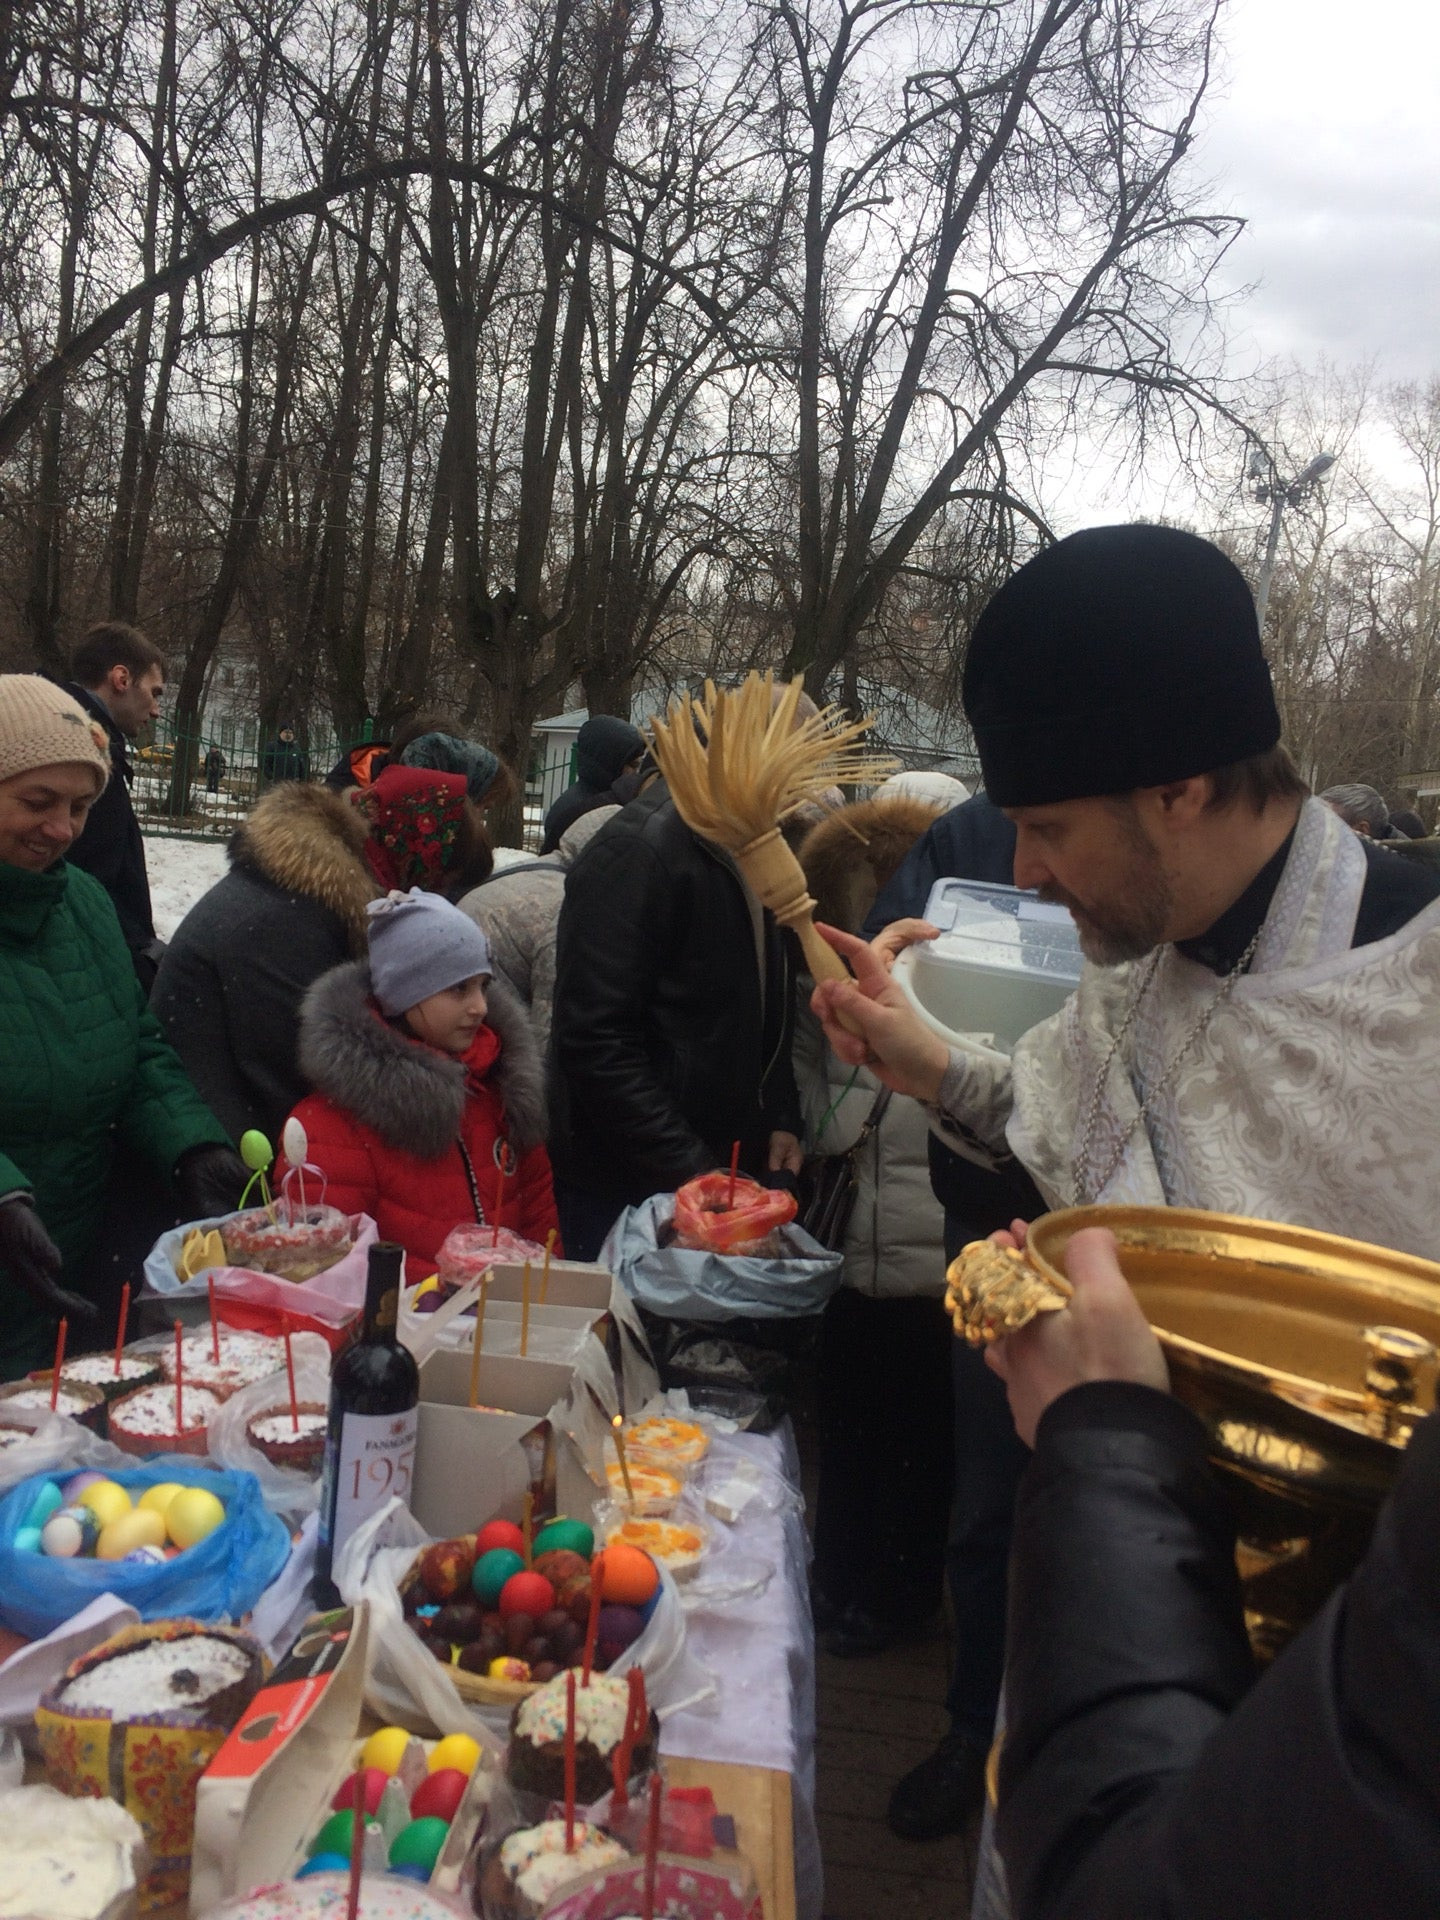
[
  {"x": 680, "y": 1283},
  {"x": 220, "y": 1579}
]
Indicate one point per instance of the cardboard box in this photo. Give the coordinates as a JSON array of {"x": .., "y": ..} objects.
[
  {"x": 577, "y": 1283},
  {"x": 473, "y": 1464},
  {"x": 268, "y": 1790}
]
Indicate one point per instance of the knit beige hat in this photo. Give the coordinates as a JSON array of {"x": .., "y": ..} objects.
[{"x": 41, "y": 726}]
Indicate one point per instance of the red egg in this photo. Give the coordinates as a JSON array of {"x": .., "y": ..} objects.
[
  {"x": 372, "y": 1785},
  {"x": 499, "y": 1533},
  {"x": 526, "y": 1593},
  {"x": 439, "y": 1794}
]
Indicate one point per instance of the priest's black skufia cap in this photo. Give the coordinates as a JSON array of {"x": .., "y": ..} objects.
[{"x": 1120, "y": 657}]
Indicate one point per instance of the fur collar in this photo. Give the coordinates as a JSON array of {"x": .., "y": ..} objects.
[
  {"x": 310, "y": 841},
  {"x": 852, "y": 854},
  {"x": 410, "y": 1094}
]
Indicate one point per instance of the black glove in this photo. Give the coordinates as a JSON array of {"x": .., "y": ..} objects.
[
  {"x": 209, "y": 1181},
  {"x": 32, "y": 1260}
]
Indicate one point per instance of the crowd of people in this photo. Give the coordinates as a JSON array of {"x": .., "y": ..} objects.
[{"x": 542, "y": 1046}]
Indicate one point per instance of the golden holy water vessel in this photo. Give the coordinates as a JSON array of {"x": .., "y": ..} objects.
[{"x": 1308, "y": 1357}]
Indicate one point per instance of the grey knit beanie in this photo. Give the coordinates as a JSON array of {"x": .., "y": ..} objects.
[
  {"x": 42, "y": 726},
  {"x": 419, "y": 945}
]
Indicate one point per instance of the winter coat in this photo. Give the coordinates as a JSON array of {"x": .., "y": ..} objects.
[
  {"x": 666, "y": 1045},
  {"x": 518, "y": 911},
  {"x": 401, "y": 1129},
  {"x": 1142, "y": 1775},
  {"x": 112, "y": 846},
  {"x": 85, "y": 1064},
  {"x": 604, "y": 747},
  {"x": 895, "y": 1244},
  {"x": 230, "y": 984}
]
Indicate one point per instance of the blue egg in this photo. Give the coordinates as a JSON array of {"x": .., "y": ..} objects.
[
  {"x": 144, "y": 1557},
  {"x": 410, "y": 1870},
  {"x": 27, "y": 1539},
  {"x": 48, "y": 1499},
  {"x": 323, "y": 1863}
]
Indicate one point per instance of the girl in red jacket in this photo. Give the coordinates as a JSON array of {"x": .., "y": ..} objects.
[{"x": 428, "y": 1109}]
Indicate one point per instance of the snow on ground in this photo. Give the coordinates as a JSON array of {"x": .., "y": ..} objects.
[{"x": 181, "y": 870}]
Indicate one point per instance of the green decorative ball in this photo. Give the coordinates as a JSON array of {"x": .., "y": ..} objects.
[{"x": 570, "y": 1536}]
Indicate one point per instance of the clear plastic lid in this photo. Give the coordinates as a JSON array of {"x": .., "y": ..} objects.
[{"x": 996, "y": 926}]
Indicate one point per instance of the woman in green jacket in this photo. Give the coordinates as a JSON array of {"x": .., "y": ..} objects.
[{"x": 84, "y": 1060}]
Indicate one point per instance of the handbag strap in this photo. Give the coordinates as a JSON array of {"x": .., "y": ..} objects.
[{"x": 873, "y": 1118}]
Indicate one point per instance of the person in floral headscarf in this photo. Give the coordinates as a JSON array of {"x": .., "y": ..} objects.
[{"x": 303, "y": 869}]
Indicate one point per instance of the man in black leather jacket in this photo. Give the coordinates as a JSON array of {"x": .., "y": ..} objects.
[
  {"x": 1144, "y": 1774},
  {"x": 671, "y": 1031}
]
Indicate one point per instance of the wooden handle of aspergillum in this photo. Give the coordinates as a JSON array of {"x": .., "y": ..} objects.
[{"x": 777, "y": 880}]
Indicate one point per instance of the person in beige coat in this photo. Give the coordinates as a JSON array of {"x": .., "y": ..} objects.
[{"x": 885, "y": 1402}]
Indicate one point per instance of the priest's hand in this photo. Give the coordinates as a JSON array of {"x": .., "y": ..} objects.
[
  {"x": 869, "y": 1022},
  {"x": 891, "y": 941},
  {"x": 33, "y": 1261},
  {"x": 1101, "y": 1335}
]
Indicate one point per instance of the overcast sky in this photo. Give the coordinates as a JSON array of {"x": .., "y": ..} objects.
[{"x": 1325, "y": 135}]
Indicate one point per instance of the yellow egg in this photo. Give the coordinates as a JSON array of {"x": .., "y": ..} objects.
[
  {"x": 192, "y": 1516},
  {"x": 156, "y": 1499},
  {"x": 385, "y": 1749},
  {"x": 131, "y": 1530},
  {"x": 456, "y": 1750},
  {"x": 106, "y": 1499},
  {"x": 428, "y": 1286}
]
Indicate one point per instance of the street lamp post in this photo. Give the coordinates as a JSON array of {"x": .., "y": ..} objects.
[{"x": 1278, "y": 494}]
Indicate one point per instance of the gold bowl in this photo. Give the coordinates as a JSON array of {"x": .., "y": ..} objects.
[{"x": 1309, "y": 1358}]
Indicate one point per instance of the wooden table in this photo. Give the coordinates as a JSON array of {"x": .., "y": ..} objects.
[{"x": 758, "y": 1801}]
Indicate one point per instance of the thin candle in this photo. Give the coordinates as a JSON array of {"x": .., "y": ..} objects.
[
  {"x": 617, "y": 1425},
  {"x": 592, "y": 1623},
  {"x": 525, "y": 1312},
  {"x": 636, "y": 1715},
  {"x": 734, "y": 1172},
  {"x": 527, "y": 1525},
  {"x": 357, "y": 1855},
  {"x": 179, "y": 1378},
  {"x": 290, "y": 1376},
  {"x": 570, "y": 1759},
  {"x": 214, "y": 1323},
  {"x": 652, "y": 1848},
  {"x": 124, "y": 1323},
  {"x": 545, "y": 1270},
  {"x": 60, "y": 1333},
  {"x": 477, "y": 1344}
]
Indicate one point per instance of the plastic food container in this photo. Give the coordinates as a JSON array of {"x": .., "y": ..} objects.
[{"x": 1004, "y": 961}]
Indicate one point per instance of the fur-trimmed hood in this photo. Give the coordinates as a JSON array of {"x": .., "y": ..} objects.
[
  {"x": 851, "y": 855},
  {"x": 310, "y": 841},
  {"x": 412, "y": 1095}
]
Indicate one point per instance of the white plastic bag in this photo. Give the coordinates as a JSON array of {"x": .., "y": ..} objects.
[
  {"x": 341, "y": 1287},
  {"x": 60, "y": 1446},
  {"x": 286, "y": 1490}
]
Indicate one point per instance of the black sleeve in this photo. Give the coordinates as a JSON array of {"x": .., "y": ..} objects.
[
  {"x": 1139, "y": 1776},
  {"x": 110, "y": 847}
]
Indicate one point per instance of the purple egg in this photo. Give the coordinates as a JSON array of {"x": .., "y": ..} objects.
[{"x": 620, "y": 1627}]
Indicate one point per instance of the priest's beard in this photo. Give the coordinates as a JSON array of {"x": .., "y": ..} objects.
[{"x": 1125, "y": 917}]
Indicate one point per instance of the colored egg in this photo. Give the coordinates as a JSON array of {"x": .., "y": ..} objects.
[
  {"x": 69, "y": 1533},
  {"x": 385, "y": 1749},
  {"x": 432, "y": 1285},
  {"x": 500, "y": 1533},
  {"x": 335, "y": 1836},
  {"x": 492, "y": 1570},
  {"x": 439, "y": 1794},
  {"x": 48, "y": 1499},
  {"x": 419, "y": 1844},
  {"x": 77, "y": 1483},
  {"x": 628, "y": 1575},
  {"x": 192, "y": 1516},
  {"x": 456, "y": 1750},
  {"x": 323, "y": 1863},
  {"x": 106, "y": 1500},
  {"x": 146, "y": 1557},
  {"x": 27, "y": 1539},
  {"x": 410, "y": 1870},
  {"x": 130, "y": 1531},
  {"x": 157, "y": 1498},
  {"x": 371, "y": 1781},
  {"x": 528, "y": 1593},
  {"x": 567, "y": 1536},
  {"x": 506, "y": 1667}
]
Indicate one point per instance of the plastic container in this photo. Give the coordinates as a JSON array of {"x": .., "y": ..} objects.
[
  {"x": 1005, "y": 960},
  {"x": 293, "y": 1243}
]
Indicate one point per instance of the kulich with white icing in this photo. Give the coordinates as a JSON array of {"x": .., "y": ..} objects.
[
  {"x": 600, "y": 1711},
  {"x": 537, "y": 1866}
]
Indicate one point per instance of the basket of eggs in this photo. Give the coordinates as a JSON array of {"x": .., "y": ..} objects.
[{"x": 504, "y": 1621}]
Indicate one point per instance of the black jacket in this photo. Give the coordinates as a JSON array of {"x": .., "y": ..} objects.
[
  {"x": 604, "y": 747},
  {"x": 661, "y": 1055},
  {"x": 1143, "y": 1777},
  {"x": 111, "y": 846}
]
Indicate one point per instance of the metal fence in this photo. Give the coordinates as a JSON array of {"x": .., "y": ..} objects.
[{"x": 231, "y": 766}]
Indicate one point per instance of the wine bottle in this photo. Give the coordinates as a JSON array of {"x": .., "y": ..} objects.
[{"x": 370, "y": 1440}]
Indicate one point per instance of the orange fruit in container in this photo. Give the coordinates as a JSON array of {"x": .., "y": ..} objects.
[{"x": 628, "y": 1577}]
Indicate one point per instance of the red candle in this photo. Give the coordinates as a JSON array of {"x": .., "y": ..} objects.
[
  {"x": 290, "y": 1375},
  {"x": 569, "y": 1760},
  {"x": 179, "y": 1378},
  {"x": 124, "y": 1322},
  {"x": 214, "y": 1324},
  {"x": 592, "y": 1624},
  {"x": 60, "y": 1333},
  {"x": 652, "y": 1848},
  {"x": 357, "y": 1858},
  {"x": 637, "y": 1714},
  {"x": 734, "y": 1170}
]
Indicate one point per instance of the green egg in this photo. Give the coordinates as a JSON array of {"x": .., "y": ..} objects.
[
  {"x": 335, "y": 1836},
  {"x": 255, "y": 1150},
  {"x": 419, "y": 1844},
  {"x": 571, "y": 1536}
]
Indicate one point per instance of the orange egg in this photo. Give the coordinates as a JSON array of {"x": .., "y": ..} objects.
[{"x": 630, "y": 1576}]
